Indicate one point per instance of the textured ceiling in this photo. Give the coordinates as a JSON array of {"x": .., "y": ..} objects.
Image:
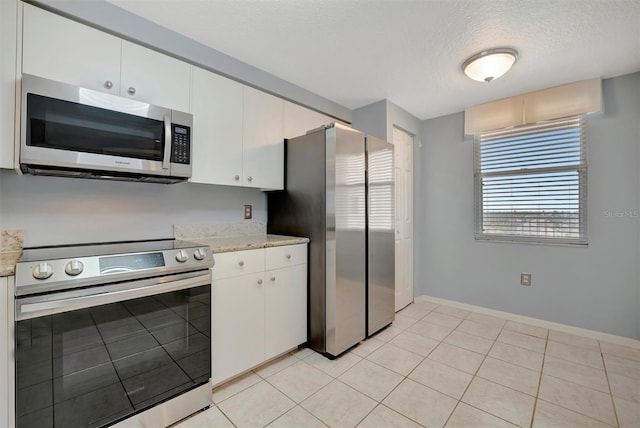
[{"x": 355, "y": 52}]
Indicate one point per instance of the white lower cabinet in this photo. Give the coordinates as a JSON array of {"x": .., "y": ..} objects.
[
  {"x": 6, "y": 324},
  {"x": 285, "y": 309},
  {"x": 237, "y": 325},
  {"x": 259, "y": 307}
]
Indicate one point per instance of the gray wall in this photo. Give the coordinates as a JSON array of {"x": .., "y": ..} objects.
[
  {"x": 372, "y": 119},
  {"x": 595, "y": 287},
  {"x": 379, "y": 118},
  {"x": 54, "y": 210}
]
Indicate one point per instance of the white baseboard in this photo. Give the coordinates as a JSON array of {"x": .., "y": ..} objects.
[{"x": 593, "y": 334}]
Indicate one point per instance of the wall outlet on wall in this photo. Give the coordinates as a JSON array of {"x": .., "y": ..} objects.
[
  {"x": 525, "y": 278},
  {"x": 247, "y": 212}
]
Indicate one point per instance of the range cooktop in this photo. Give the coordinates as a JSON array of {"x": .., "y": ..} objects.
[{"x": 56, "y": 268}]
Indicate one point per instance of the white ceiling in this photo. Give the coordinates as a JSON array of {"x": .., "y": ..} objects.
[{"x": 355, "y": 52}]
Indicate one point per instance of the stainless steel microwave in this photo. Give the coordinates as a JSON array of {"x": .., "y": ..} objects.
[{"x": 77, "y": 132}]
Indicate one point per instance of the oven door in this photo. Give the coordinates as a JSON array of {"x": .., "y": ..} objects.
[
  {"x": 70, "y": 127},
  {"x": 93, "y": 357}
]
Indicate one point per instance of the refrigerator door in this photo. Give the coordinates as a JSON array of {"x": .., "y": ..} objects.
[
  {"x": 300, "y": 211},
  {"x": 380, "y": 234},
  {"x": 345, "y": 239}
]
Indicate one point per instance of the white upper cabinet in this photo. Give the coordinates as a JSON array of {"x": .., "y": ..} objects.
[
  {"x": 8, "y": 41},
  {"x": 216, "y": 104},
  {"x": 155, "y": 78},
  {"x": 237, "y": 134},
  {"x": 263, "y": 141},
  {"x": 298, "y": 120},
  {"x": 60, "y": 49}
]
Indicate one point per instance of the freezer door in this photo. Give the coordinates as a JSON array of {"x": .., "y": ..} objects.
[
  {"x": 380, "y": 234},
  {"x": 345, "y": 239}
]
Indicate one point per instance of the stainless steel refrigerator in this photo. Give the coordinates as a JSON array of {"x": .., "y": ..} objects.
[{"x": 339, "y": 192}]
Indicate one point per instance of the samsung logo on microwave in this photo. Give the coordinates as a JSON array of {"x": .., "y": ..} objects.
[{"x": 123, "y": 163}]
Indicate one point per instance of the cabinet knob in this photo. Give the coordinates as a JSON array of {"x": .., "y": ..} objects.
[
  {"x": 236, "y": 177},
  {"x": 131, "y": 90},
  {"x": 241, "y": 263},
  {"x": 108, "y": 84},
  {"x": 259, "y": 282},
  {"x": 288, "y": 256},
  {"x": 273, "y": 279},
  {"x": 249, "y": 179}
]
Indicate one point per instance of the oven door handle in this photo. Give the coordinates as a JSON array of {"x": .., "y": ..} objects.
[{"x": 37, "y": 306}]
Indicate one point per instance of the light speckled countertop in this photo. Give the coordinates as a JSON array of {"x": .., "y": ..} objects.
[
  {"x": 8, "y": 260},
  {"x": 11, "y": 242},
  {"x": 252, "y": 242}
]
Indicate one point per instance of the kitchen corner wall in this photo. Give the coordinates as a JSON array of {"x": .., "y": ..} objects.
[
  {"x": 379, "y": 118},
  {"x": 54, "y": 210},
  {"x": 597, "y": 287}
]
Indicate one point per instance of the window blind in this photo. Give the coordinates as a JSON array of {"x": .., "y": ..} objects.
[
  {"x": 381, "y": 196},
  {"x": 530, "y": 183}
]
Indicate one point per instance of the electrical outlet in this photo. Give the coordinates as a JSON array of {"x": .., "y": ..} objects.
[
  {"x": 525, "y": 278},
  {"x": 247, "y": 212}
]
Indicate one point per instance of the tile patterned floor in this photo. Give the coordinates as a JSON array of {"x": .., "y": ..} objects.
[{"x": 440, "y": 366}]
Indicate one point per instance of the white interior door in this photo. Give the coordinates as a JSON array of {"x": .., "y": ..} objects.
[{"x": 403, "y": 151}]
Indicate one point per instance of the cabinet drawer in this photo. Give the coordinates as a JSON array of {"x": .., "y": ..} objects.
[
  {"x": 287, "y": 255},
  {"x": 238, "y": 263}
]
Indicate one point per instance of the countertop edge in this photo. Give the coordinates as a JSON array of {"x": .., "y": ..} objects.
[{"x": 242, "y": 243}]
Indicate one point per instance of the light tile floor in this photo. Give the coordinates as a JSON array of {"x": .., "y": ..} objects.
[{"x": 440, "y": 366}]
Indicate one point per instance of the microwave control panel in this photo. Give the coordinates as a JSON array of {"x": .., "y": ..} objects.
[{"x": 181, "y": 144}]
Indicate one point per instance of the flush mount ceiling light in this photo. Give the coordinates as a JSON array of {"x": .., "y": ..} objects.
[{"x": 488, "y": 65}]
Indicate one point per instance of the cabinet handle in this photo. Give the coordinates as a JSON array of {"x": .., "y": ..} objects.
[
  {"x": 108, "y": 84},
  {"x": 236, "y": 177},
  {"x": 288, "y": 256},
  {"x": 259, "y": 282},
  {"x": 249, "y": 179},
  {"x": 131, "y": 90},
  {"x": 273, "y": 279},
  {"x": 241, "y": 263}
]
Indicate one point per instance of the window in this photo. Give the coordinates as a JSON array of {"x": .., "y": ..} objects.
[{"x": 531, "y": 183}]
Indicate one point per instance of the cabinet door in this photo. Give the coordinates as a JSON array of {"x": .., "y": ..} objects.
[
  {"x": 237, "y": 325},
  {"x": 60, "y": 49},
  {"x": 5, "y": 324},
  {"x": 216, "y": 104},
  {"x": 285, "y": 309},
  {"x": 8, "y": 28},
  {"x": 263, "y": 144},
  {"x": 298, "y": 120},
  {"x": 154, "y": 78}
]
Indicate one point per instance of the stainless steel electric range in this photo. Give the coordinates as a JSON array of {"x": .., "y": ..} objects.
[{"x": 112, "y": 334}]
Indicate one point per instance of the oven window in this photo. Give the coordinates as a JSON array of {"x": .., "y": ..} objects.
[
  {"x": 64, "y": 125},
  {"x": 92, "y": 367}
]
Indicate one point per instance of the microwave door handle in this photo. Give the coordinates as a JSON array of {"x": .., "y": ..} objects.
[{"x": 166, "y": 159}]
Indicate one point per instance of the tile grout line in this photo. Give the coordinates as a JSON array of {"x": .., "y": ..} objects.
[
  {"x": 606, "y": 373},
  {"x": 405, "y": 377},
  {"x": 535, "y": 403},
  {"x": 226, "y": 417},
  {"x": 475, "y": 375}
]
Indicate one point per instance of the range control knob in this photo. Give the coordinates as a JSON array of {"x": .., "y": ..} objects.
[
  {"x": 42, "y": 271},
  {"x": 200, "y": 254},
  {"x": 74, "y": 267},
  {"x": 182, "y": 256}
]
